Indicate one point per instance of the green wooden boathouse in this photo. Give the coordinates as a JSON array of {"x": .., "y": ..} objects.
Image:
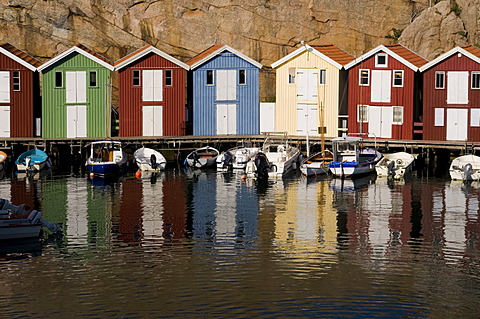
[{"x": 76, "y": 95}]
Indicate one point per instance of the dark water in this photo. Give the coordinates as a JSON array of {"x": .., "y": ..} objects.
[{"x": 207, "y": 244}]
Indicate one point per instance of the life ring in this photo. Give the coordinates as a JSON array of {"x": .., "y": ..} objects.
[{"x": 399, "y": 161}]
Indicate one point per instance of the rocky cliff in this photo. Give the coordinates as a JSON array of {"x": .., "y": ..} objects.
[{"x": 265, "y": 30}]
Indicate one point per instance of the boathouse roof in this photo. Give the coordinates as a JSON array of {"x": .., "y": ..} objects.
[
  {"x": 215, "y": 50},
  {"x": 468, "y": 50},
  {"x": 329, "y": 53},
  {"x": 134, "y": 56},
  {"x": 19, "y": 56}
]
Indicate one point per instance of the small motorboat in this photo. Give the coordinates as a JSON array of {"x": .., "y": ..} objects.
[
  {"x": 395, "y": 165},
  {"x": 17, "y": 222},
  {"x": 465, "y": 168},
  {"x": 350, "y": 158},
  {"x": 202, "y": 157},
  {"x": 106, "y": 158},
  {"x": 3, "y": 158},
  {"x": 317, "y": 164},
  {"x": 32, "y": 160},
  {"x": 236, "y": 158},
  {"x": 282, "y": 158},
  {"x": 149, "y": 159}
]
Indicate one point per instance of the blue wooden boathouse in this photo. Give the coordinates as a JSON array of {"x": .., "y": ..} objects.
[{"x": 224, "y": 92}]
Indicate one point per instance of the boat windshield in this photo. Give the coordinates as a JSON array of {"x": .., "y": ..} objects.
[{"x": 345, "y": 147}]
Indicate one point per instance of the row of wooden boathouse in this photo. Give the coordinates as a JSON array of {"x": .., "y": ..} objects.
[{"x": 389, "y": 92}]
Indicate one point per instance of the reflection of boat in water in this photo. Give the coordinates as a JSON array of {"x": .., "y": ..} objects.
[
  {"x": 3, "y": 158},
  {"x": 202, "y": 157},
  {"x": 21, "y": 246},
  {"x": 351, "y": 158},
  {"x": 465, "y": 168},
  {"x": 32, "y": 160},
  {"x": 17, "y": 222},
  {"x": 351, "y": 184},
  {"x": 395, "y": 165},
  {"x": 107, "y": 180},
  {"x": 106, "y": 157},
  {"x": 149, "y": 159}
]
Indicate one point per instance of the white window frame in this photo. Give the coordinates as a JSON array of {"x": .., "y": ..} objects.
[
  {"x": 439, "y": 117},
  {"x": 16, "y": 78},
  {"x": 244, "y": 77},
  {"x": 402, "y": 78},
  {"x": 475, "y": 73},
  {"x": 401, "y": 117},
  {"x": 475, "y": 117},
  {"x": 360, "y": 77},
  {"x": 443, "y": 75},
  {"x": 90, "y": 79},
  {"x": 169, "y": 77},
  {"x": 291, "y": 75},
  {"x": 136, "y": 75},
  {"x": 364, "y": 109},
  {"x": 378, "y": 65},
  {"x": 206, "y": 77},
  {"x": 322, "y": 77}
]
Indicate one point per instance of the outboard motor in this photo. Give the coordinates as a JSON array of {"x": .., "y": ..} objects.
[
  {"x": 28, "y": 159},
  {"x": 468, "y": 170},
  {"x": 195, "y": 158},
  {"x": 153, "y": 161},
  {"x": 391, "y": 166},
  {"x": 262, "y": 164},
  {"x": 227, "y": 160}
]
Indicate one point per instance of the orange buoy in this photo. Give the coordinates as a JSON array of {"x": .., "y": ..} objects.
[
  {"x": 244, "y": 177},
  {"x": 138, "y": 174},
  {"x": 91, "y": 175}
]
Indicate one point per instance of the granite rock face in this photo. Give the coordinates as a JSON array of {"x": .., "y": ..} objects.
[{"x": 265, "y": 30}]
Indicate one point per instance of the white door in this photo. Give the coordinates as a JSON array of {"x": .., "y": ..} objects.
[
  {"x": 226, "y": 119},
  {"x": 226, "y": 85},
  {"x": 4, "y": 87},
  {"x": 307, "y": 84},
  {"x": 381, "y": 86},
  {"x": 153, "y": 120},
  {"x": 457, "y": 87},
  {"x": 76, "y": 86},
  {"x": 307, "y": 119},
  {"x": 152, "y": 89},
  {"x": 4, "y": 121},
  {"x": 267, "y": 117},
  {"x": 380, "y": 120},
  {"x": 457, "y": 125},
  {"x": 76, "y": 121}
]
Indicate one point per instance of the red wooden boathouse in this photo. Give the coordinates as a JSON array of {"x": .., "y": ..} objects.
[
  {"x": 381, "y": 87},
  {"x": 451, "y": 96},
  {"x": 19, "y": 92},
  {"x": 152, "y": 93}
]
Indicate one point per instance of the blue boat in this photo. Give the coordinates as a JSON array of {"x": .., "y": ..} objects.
[
  {"x": 106, "y": 158},
  {"x": 32, "y": 160},
  {"x": 351, "y": 159}
]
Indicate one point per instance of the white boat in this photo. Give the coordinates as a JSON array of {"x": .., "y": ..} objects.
[
  {"x": 280, "y": 155},
  {"x": 106, "y": 158},
  {"x": 202, "y": 157},
  {"x": 395, "y": 165},
  {"x": 16, "y": 222},
  {"x": 465, "y": 168},
  {"x": 317, "y": 164},
  {"x": 350, "y": 158},
  {"x": 236, "y": 158},
  {"x": 149, "y": 159}
]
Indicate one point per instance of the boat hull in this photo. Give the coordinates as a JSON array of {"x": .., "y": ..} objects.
[
  {"x": 312, "y": 170},
  {"x": 105, "y": 168},
  {"x": 465, "y": 168},
  {"x": 20, "y": 231},
  {"x": 21, "y": 168},
  {"x": 396, "y": 165},
  {"x": 348, "y": 169}
]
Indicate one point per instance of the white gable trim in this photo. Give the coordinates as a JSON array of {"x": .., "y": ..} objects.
[
  {"x": 80, "y": 51},
  {"x": 225, "y": 48},
  {"x": 302, "y": 49},
  {"x": 157, "y": 52},
  {"x": 447, "y": 55},
  {"x": 376, "y": 50},
  {"x": 17, "y": 59}
]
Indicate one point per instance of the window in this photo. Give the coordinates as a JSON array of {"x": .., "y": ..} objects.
[
  {"x": 322, "y": 130},
  {"x": 439, "y": 117},
  {"x": 362, "y": 113},
  {"x": 58, "y": 79},
  {"x": 16, "y": 81},
  {"x": 136, "y": 77},
  {"x": 398, "y": 115},
  {"x": 440, "y": 80},
  {"x": 475, "y": 117},
  {"x": 322, "y": 77},
  {"x": 242, "y": 77},
  {"x": 398, "y": 78},
  {"x": 381, "y": 60},
  {"x": 364, "y": 77},
  {"x": 291, "y": 75},
  {"x": 168, "y": 78},
  {"x": 209, "y": 77},
  {"x": 93, "y": 78},
  {"x": 475, "y": 80}
]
